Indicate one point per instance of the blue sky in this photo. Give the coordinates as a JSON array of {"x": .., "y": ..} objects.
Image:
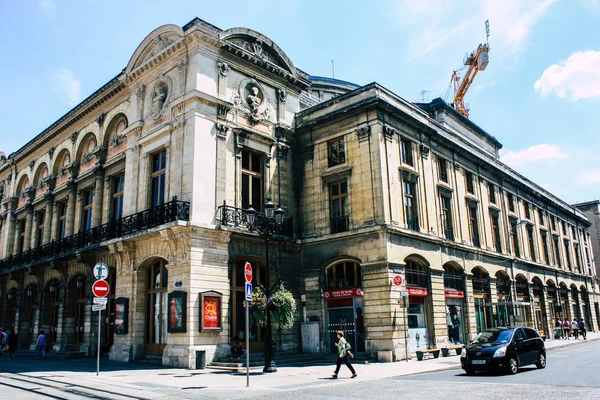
[{"x": 539, "y": 96}]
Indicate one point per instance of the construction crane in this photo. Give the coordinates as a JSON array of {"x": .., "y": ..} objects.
[{"x": 474, "y": 62}]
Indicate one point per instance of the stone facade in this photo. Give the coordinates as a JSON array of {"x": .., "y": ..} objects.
[{"x": 153, "y": 173}]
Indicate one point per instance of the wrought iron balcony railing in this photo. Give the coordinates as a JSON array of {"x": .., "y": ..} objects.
[
  {"x": 456, "y": 282},
  {"x": 169, "y": 212},
  {"x": 481, "y": 285},
  {"x": 416, "y": 278},
  {"x": 238, "y": 217},
  {"x": 340, "y": 224},
  {"x": 503, "y": 287}
]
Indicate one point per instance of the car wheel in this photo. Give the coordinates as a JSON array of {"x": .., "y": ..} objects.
[
  {"x": 513, "y": 366},
  {"x": 469, "y": 371},
  {"x": 541, "y": 362}
]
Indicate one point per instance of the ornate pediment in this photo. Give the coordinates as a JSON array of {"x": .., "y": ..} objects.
[{"x": 156, "y": 43}]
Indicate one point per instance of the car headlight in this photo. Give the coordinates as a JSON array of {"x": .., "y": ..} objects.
[
  {"x": 501, "y": 352},
  {"x": 463, "y": 353}
]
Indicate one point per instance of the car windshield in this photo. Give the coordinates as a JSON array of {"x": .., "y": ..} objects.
[{"x": 494, "y": 336}]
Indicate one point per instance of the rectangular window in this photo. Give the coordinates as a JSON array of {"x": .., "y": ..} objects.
[
  {"x": 445, "y": 204},
  {"x": 553, "y": 220},
  {"x": 406, "y": 148},
  {"x": 159, "y": 168},
  {"x": 530, "y": 240},
  {"x": 492, "y": 193},
  {"x": 564, "y": 228},
  {"x": 443, "y": 169},
  {"x": 40, "y": 228},
  {"x": 88, "y": 201},
  {"x": 577, "y": 257},
  {"x": 556, "y": 251},
  {"x": 252, "y": 180},
  {"x": 117, "y": 196},
  {"x": 527, "y": 210},
  {"x": 545, "y": 246},
  {"x": 336, "y": 152},
  {"x": 410, "y": 206},
  {"x": 541, "y": 216},
  {"x": 511, "y": 202},
  {"x": 21, "y": 239},
  {"x": 514, "y": 234},
  {"x": 473, "y": 225},
  {"x": 470, "y": 184},
  {"x": 62, "y": 220},
  {"x": 568, "y": 254},
  {"x": 340, "y": 218},
  {"x": 494, "y": 217}
]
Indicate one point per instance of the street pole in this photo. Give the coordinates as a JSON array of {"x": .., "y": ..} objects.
[
  {"x": 98, "y": 353},
  {"x": 269, "y": 342},
  {"x": 247, "y": 345},
  {"x": 405, "y": 329}
]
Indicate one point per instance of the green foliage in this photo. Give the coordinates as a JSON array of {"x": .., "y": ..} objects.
[{"x": 282, "y": 305}]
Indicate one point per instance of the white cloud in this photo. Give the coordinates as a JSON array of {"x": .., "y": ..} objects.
[
  {"x": 48, "y": 6},
  {"x": 67, "y": 85},
  {"x": 578, "y": 77},
  {"x": 481, "y": 88},
  {"x": 531, "y": 154},
  {"x": 591, "y": 177}
]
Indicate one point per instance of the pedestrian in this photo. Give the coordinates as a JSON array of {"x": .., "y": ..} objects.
[
  {"x": 3, "y": 341},
  {"x": 582, "y": 329},
  {"x": 575, "y": 327},
  {"x": 237, "y": 348},
  {"x": 566, "y": 328},
  {"x": 13, "y": 340},
  {"x": 40, "y": 345},
  {"x": 343, "y": 352},
  {"x": 557, "y": 329}
]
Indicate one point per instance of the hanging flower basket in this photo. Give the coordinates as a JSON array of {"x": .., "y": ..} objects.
[{"x": 282, "y": 305}]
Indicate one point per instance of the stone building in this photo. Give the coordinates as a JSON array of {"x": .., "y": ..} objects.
[
  {"x": 153, "y": 173},
  {"x": 591, "y": 209}
]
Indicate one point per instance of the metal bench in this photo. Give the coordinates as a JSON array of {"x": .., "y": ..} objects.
[
  {"x": 434, "y": 352},
  {"x": 446, "y": 350}
]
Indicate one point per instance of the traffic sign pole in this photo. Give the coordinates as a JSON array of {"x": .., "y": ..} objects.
[
  {"x": 98, "y": 355},
  {"x": 248, "y": 276}
]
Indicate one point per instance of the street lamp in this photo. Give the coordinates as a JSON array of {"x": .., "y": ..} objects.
[{"x": 266, "y": 225}]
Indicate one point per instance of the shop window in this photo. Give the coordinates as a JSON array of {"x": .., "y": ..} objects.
[
  {"x": 344, "y": 275},
  {"x": 443, "y": 169},
  {"x": 340, "y": 215},
  {"x": 407, "y": 152},
  {"x": 522, "y": 288},
  {"x": 159, "y": 167},
  {"x": 336, "y": 152},
  {"x": 117, "y": 196}
]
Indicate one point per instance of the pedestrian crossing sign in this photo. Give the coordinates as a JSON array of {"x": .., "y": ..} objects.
[{"x": 248, "y": 291}]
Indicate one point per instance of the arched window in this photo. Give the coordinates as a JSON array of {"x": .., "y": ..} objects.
[
  {"x": 453, "y": 278},
  {"x": 502, "y": 284},
  {"x": 522, "y": 288},
  {"x": 416, "y": 274},
  {"x": 481, "y": 281},
  {"x": 156, "y": 307},
  {"x": 344, "y": 275}
]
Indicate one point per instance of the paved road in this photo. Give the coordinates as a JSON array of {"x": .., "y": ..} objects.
[{"x": 571, "y": 373}]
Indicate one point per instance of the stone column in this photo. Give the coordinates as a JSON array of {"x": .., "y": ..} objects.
[
  {"x": 98, "y": 195},
  {"x": 470, "y": 312},
  {"x": 71, "y": 208},
  {"x": 16, "y": 236},
  {"x": 28, "y": 223},
  {"x": 54, "y": 223},
  {"x": 11, "y": 223},
  {"x": 33, "y": 232},
  {"x": 49, "y": 222},
  {"x": 439, "y": 328}
]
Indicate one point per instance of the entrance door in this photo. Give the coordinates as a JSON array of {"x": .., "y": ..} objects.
[
  {"x": 108, "y": 332},
  {"x": 80, "y": 314},
  {"x": 480, "y": 314},
  {"x": 341, "y": 319},
  {"x": 238, "y": 320},
  {"x": 156, "y": 308}
]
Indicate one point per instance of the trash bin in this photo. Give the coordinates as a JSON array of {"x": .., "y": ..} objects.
[{"x": 200, "y": 359}]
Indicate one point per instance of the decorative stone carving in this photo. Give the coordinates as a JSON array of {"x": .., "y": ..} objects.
[
  {"x": 51, "y": 152},
  {"x": 159, "y": 45},
  {"x": 424, "y": 151},
  {"x": 182, "y": 67},
  {"x": 222, "y": 130},
  {"x": 456, "y": 166},
  {"x": 100, "y": 119},
  {"x": 74, "y": 136},
  {"x": 282, "y": 151},
  {"x": 281, "y": 132},
  {"x": 388, "y": 132},
  {"x": 252, "y": 100},
  {"x": 223, "y": 68},
  {"x": 222, "y": 110},
  {"x": 282, "y": 95},
  {"x": 161, "y": 95},
  {"x": 363, "y": 133},
  {"x": 31, "y": 165}
]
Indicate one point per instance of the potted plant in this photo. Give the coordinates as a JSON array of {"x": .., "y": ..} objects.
[{"x": 282, "y": 305}]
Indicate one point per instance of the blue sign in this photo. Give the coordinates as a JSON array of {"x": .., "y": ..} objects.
[
  {"x": 248, "y": 291},
  {"x": 178, "y": 284}
]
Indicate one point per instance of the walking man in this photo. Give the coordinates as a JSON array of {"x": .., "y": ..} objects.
[
  {"x": 13, "y": 340},
  {"x": 575, "y": 327},
  {"x": 40, "y": 345},
  {"x": 582, "y": 329},
  {"x": 343, "y": 352}
]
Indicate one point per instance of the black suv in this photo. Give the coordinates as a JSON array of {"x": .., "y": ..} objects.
[{"x": 504, "y": 349}]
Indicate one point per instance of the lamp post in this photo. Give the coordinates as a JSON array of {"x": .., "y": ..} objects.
[{"x": 266, "y": 225}]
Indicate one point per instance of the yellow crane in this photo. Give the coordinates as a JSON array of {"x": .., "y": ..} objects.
[{"x": 474, "y": 62}]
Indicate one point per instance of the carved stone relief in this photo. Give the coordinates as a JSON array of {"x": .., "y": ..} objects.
[
  {"x": 161, "y": 96},
  {"x": 252, "y": 100}
]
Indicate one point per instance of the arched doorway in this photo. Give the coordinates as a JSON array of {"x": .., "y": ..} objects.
[
  {"x": 565, "y": 309},
  {"x": 27, "y": 316},
  {"x": 504, "y": 313},
  {"x": 539, "y": 307},
  {"x": 552, "y": 302},
  {"x": 575, "y": 297},
  {"x": 156, "y": 307},
  {"x": 238, "y": 320},
  {"x": 75, "y": 311},
  {"x": 481, "y": 298},
  {"x": 419, "y": 302},
  {"x": 454, "y": 294},
  {"x": 343, "y": 294},
  {"x": 51, "y": 311},
  {"x": 10, "y": 313},
  {"x": 523, "y": 315},
  {"x": 587, "y": 310}
]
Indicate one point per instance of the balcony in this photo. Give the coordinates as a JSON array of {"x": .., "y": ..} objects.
[
  {"x": 174, "y": 210},
  {"x": 340, "y": 224},
  {"x": 238, "y": 218}
]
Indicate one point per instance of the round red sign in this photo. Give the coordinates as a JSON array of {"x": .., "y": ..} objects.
[
  {"x": 398, "y": 280},
  {"x": 100, "y": 288},
  {"x": 248, "y": 272}
]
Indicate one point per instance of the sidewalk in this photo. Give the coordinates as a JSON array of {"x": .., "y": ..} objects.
[{"x": 178, "y": 383}]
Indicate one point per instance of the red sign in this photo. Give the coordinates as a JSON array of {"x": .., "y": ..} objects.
[
  {"x": 100, "y": 288},
  {"x": 398, "y": 280},
  {"x": 337, "y": 294},
  {"x": 422, "y": 292},
  {"x": 248, "y": 272},
  {"x": 454, "y": 294},
  {"x": 211, "y": 313}
]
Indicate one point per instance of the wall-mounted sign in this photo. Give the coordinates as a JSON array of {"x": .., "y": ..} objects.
[
  {"x": 422, "y": 292},
  {"x": 210, "y": 311},
  {"x": 121, "y": 315},
  {"x": 177, "y": 312},
  {"x": 337, "y": 294},
  {"x": 454, "y": 294},
  {"x": 178, "y": 284},
  {"x": 398, "y": 281}
]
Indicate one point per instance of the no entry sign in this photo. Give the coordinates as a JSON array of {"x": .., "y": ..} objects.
[
  {"x": 100, "y": 288},
  {"x": 398, "y": 280},
  {"x": 248, "y": 272}
]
